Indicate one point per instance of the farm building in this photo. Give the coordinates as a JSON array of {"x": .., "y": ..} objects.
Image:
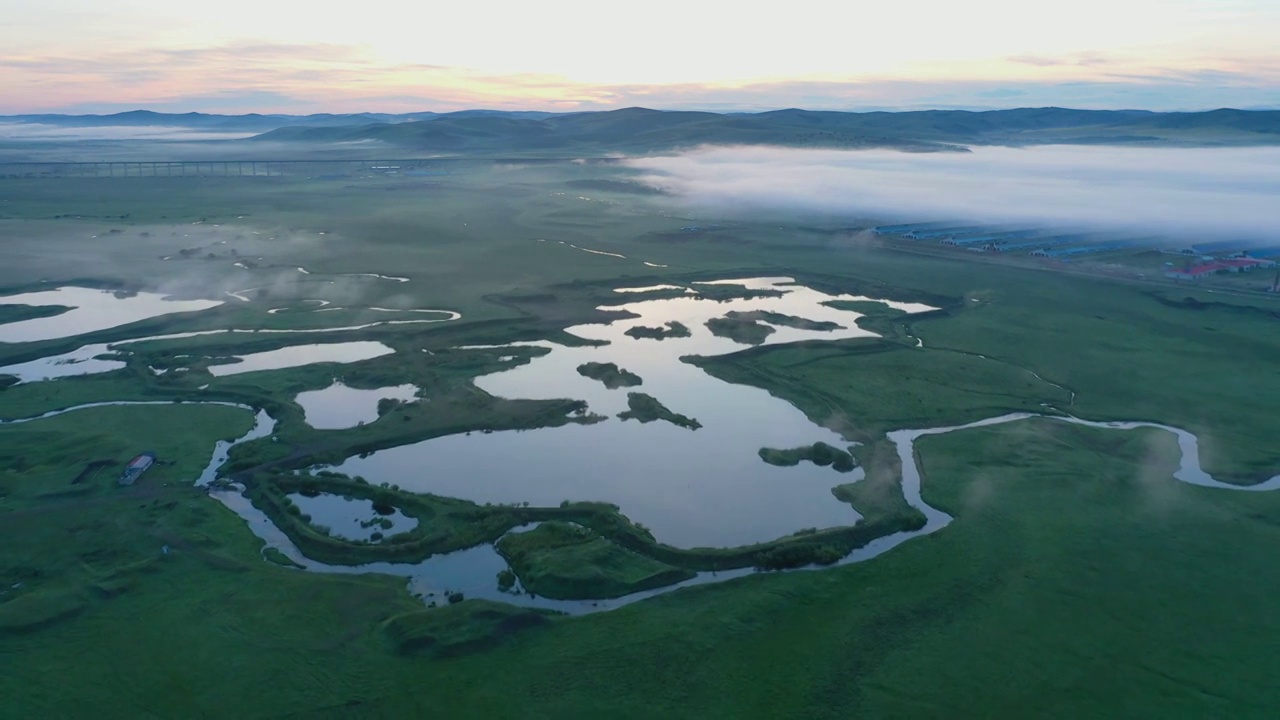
[
  {"x": 1081, "y": 250},
  {"x": 1195, "y": 272},
  {"x": 975, "y": 239},
  {"x": 993, "y": 239},
  {"x": 136, "y": 467},
  {"x": 1267, "y": 252},
  {"x": 906, "y": 228},
  {"x": 1044, "y": 242},
  {"x": 1223, "y": 246},
  {"x": 942, "y": 233},
  {"x": 1232, "y": 265}
]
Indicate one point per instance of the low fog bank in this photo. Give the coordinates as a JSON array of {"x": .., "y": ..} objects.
[
  {"x": 35, "y": 131},
  {"x": 1229, "y": 192},
  {"x": 139, "y": 144}
]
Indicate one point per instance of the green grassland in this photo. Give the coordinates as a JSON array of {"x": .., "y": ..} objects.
[
  {"x": 564, "y": 561},
  {"x": 1077, "y": 580}
]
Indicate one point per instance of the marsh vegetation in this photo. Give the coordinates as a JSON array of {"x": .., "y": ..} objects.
[
  {"x": 819, "y": 453},
  {"x": 673, "y": 329},
  {"x": 647, "y": 408},
  {"x": 610, "y": 375},
  {"x": 1083, "y": 524}
]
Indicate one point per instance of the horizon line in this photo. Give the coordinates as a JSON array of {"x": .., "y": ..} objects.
[{"x": 941, "y": 108}]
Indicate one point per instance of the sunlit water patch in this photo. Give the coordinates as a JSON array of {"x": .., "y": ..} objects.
[
  {"x": 103, "y": 357},
  {"x": 87, "y": 360},
  {"x": 655, "y": 288},
  {"x": 339, "y": 406},
  {"x": 351, "y": 518},
  {"x": 690, "y": 487},
  {"x": 298, "y": 355},
  {"x": 91, "y": 310}
]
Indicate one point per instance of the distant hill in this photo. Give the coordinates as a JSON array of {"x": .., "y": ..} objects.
[
  {"x": 252, "y": 122},
  {"x": 641, "y": 130}
]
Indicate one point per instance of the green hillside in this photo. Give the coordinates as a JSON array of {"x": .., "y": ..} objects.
[{"x": 641, "y": 130}]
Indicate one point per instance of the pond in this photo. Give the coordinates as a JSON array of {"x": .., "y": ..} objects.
[
  {"x": 704, "y": 487},
  {"x": 339, "y": 406},
  {"x": 90, "y": 310},
  {"x": 350, "y": 518},
  {"x": 81, "y": 361},
  {"x": 298, "y": 355}
]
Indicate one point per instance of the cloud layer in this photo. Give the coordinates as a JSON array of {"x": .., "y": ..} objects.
[
  {"x": 1179, "y": 193},
  {"x": 36, "y": 131}
]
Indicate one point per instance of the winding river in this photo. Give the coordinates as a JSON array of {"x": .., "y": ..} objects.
[
  {"x": 473, "y": 572},
  {"x": 706, "y": 487}
]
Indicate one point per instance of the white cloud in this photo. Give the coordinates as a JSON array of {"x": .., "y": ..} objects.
[
  {"x": 1217, "y": 192},
  {"x": 37, "y": 131}
]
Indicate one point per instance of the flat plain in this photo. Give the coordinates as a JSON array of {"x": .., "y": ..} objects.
[{"x": 1078, "y": 577}]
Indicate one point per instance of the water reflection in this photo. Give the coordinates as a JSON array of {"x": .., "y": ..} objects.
[
  {"x": 339, "y": 406},
  {"x": 704, "y": 488},
  {"x": 352, "y": 519},
  {"x": 298, "y": 355},
  {"x": 91, "y": 310}
]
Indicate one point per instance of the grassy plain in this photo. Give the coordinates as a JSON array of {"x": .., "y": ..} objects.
[
  {"x": 565, "y": 561},
  {"x": 1078, "y": 579}
]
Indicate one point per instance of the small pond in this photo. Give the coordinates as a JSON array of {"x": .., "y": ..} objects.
[
  {"x": 339, "y": 406},
  {"x": 352, "y": 519},
  {"x": 91, "y": 310},
  {"x": 298, "y": 355},
  {"x": 704, "y": 487}
]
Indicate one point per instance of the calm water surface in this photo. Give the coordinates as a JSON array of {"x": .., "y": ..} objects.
[
  {"x": 339, "y": 406},
  {"x": 298, "y": 355},
  {"x": 91, "y": 310},
  {"x": 705, "y": 487},
  {"x": 350, "y": 518}
]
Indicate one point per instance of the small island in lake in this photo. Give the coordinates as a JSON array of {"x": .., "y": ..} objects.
[
  {"x": 671, "y": 329},
  {"x": 646, "y": 408},
  {"x": 819, "y": 453},
  {"x": 610, "y": 374}
]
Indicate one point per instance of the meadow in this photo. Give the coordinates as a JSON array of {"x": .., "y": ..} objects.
[{"x": 1077, "y": 579}]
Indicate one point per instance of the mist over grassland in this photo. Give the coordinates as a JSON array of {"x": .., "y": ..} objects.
[
  {"x": 39, "y": 131},
  {"x": 1176, "y": 192}
]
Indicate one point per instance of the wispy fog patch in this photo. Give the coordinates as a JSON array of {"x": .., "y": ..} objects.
[
  {"x": 1175, "y": 192},
  {"x": 37, "y": 131}
]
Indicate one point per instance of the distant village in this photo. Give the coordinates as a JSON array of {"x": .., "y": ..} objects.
[{"x": 1193, "y": 262}]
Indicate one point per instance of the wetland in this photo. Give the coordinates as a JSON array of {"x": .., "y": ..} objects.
[{"x": 454, "y": 451}]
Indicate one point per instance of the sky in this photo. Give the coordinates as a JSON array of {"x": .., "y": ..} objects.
[{"x": 237, "y": 56}]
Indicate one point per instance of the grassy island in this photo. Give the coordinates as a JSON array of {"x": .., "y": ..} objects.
[
  {"x": 670, "y": 330},
  {"x": 791, "y": 321},
  {"x": 610, "y": 374},
  {"x": 747, "y": 332},
  {"x": 569, "y": 562},
  {"x": 819, "y": 453},
  {"x": 646, "y": 408},
  {"x": 749, "y": 328}
]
